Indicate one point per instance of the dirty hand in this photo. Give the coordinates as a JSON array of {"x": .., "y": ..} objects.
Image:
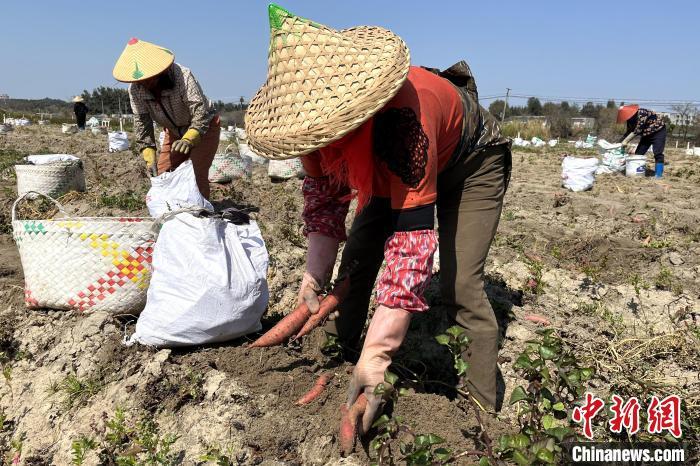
[
  {"x": 189, "y": 140},
  {"x": 320, "y": 258},
  {"x": 149, "y": 155},
  {"x": 384, "y": 336}
]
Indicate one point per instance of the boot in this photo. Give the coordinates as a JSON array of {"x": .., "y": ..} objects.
[{"x": 659, "y": 169}]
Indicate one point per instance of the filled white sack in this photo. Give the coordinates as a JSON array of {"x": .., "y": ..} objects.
[
  {"x": 578, "y": 174},
  {"x": 208, "y": 285},
  {"x": 175, "y": 190}
]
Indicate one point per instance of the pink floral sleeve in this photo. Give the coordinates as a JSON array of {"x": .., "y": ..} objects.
[
  {"x": 325, "y": 208},
  {"x": 409, "y": 265}
]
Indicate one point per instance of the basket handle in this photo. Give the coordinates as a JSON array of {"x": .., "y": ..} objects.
[{"x": 56, "y": 203}]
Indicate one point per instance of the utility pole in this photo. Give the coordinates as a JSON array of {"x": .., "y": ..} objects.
[{"x": 505, "y": 106}]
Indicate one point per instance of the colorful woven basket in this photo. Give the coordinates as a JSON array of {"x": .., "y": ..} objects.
[
  {"x": 52, "y": 179},
  {"x": 85, "y": 263}
]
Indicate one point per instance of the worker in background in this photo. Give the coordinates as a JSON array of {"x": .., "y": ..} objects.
[
  {"x": 651, "y": 129},
  {"x": 168, "y": 93},
  {"x": 81, "y": 110}
]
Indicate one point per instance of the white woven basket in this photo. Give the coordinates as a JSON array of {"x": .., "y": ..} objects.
[
  {"x": 228, "y": 166},
  {"x": 52, "y": 179},
  {"x": 85, "y": 263},
  {"x": 285, "y": 169}
]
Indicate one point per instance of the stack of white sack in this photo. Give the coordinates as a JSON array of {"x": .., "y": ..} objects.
[{"x": 613, "y": 158}]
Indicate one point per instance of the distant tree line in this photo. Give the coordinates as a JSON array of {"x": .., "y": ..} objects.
[
  {"x": 107, "y": 100},
  {"x": 559, "y": 117},
  {"x": 30, "y": 106},
  {"x": 559, "y": 114}
]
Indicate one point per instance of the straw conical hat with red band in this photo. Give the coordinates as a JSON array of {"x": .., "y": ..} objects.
[
  {"x": 625, "y": 112},
  {"x": 141, "y": 60},
  {"x": 321, "y": 83}
]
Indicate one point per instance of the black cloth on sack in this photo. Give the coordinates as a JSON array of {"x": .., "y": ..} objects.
[{"x": 231, "y": 214}]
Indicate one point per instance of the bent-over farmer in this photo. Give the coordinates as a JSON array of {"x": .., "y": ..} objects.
[
  {"x": 405, "y": 141},
  {"x": 168, "y": 93},
  {"x": 651, "y": 129}
]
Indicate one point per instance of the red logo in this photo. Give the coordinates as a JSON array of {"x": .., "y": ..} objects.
[
  {"x": 585, "y": 414},
  {"x": 625, "y": 415},
  {"x": 665, "y": 415}
]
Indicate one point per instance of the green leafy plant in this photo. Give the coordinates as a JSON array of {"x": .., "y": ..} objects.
[
  {"x": 80, "y": 449},
  {"x": 414, "y": 449},
  {"x": 214, "y": 454},
  {"x": 555, "y": 381},
  {"x": 535, "y": 285},
  {"x": 331, "y": 347},
  {"x": 129, "y": 443},
  {"x": 456, "y": 340}
]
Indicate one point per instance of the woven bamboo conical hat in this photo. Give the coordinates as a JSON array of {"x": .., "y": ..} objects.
[
  {"x": 321, "y": 84},
  {"x": 141, "y": 60}
]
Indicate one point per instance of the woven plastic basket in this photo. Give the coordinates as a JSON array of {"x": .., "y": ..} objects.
[
  {"x": 52, "y": 179},
  {"x": 85, "y": 263},
  {"x": 285, "y": 169},
  {"x": 230, "y": 165}
]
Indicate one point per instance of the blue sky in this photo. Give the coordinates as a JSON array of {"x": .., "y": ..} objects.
[{"x": 624, "y": 49}]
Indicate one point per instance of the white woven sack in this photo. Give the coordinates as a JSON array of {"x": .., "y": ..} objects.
[
  {"x": 578, "y": 174},
  {"x": 52, "y": 179},
  {"x": 85, "y": 263},
  {"x": 47, "y": 159},
  {"x": 244, "y": 149},
  {"x": 209, "y": 283},
  {"x": 117, "y": 141},
  {"x": 225, "y": 135},
  {"x": 285, "y": 169},
  {"x": 67, "y": 128},
  {"x": 227, "y": 166},
  {"x": 175, "y": 190}
]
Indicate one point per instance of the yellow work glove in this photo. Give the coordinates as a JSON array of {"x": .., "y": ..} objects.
[
  {"x": 149, "y": 155},
  {"x": 188, "y": 141}
]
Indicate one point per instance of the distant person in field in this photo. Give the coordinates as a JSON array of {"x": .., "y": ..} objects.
[
  {"x": 408, "y": 143},
  {"x": 168, "y": 93},
  {"x": 651, "y": 129},
  {"x": 81, "y": 110}
]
